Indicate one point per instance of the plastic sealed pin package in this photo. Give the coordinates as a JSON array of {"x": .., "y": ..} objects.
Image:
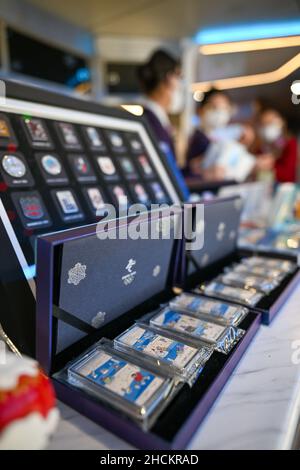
[
  {"x": 287, "y": 241},
  {"x": 185, "y": 325},
  {"x": 259, "y": 270},
  {"x": 247, "y": 280},
  {"x": 124, "y": 382},
  {"x": 249, "y": 297},
  {"x": 282, "y": 265},
  {"x": 164, "y": 351},
  {"x": 210, "y": 309}
]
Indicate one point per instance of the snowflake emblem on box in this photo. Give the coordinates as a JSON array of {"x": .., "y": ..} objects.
[
  {"x": 156, "y": 270},
  {"x": 238, "y": 203},
  {"x": 221, "y": 231},
  {"x": 204, "y": 259},
  {"x": 98, "y": 319},
  {"x": 129, "y": 278},
  {"x": 232, "y": 235},
  {"x": 77, "y": 274}
]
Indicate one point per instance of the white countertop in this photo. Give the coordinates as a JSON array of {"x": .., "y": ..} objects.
[{"x": 259, "y": 407}]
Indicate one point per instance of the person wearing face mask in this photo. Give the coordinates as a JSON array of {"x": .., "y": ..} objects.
[
  {"x": 278, "y": 150},
  {"x": 214, "y": 113},
  {"x": 160, "y": 81}
]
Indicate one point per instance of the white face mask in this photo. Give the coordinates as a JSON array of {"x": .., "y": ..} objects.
[
  {"x": 177, "y": 102},
  {"x": 216, "y": 118},
  {"x": 271, "y": 132}
]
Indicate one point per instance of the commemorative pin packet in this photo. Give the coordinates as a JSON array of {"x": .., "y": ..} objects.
[
  {"x": 247, "y": 280},
  {"x": 210, "y": 309},
  {"x": 250, "y": 296},
  {"x": 165, "y": 351},
  {"x": 282, "y": 265},
  {"x": 124, "y": 383},
  {"x": 287, "y": 242},
  {"x": 271, "y": 273},
  {"x": 223, "y": 338}
]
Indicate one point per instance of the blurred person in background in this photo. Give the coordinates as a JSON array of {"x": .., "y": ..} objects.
[
  {"x": 248, "y": 136},
  {"x": 215, "y": 112},
  {"x": 160, "y": 81},
  {"x": 277, "y": 153}
]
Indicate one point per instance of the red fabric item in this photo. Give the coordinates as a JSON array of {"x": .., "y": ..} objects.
[
  {"x": 11, "y": 147},
  {"x": 32, "y": 394},
  {"x": 286, "y": 163}
]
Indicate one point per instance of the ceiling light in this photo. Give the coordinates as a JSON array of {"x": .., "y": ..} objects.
[
  {"x": 246, "y": 46},
  {"x": 198, "y": 96},
  {"x": 243, "y": 32},
  {"x": 251, "y": 80},
  {"x": 135, "y": 109},
  {"x": 295, "y": 87}
]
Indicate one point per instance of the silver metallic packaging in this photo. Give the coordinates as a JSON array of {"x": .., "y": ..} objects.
[
  {"x": 260, "y": 270},
  {"x": 249, "y": 297},
  {"x": 282, "y": 265},
  {"x": 124, "y": 382},
  {"x": 222, "y": 338},
  {"x": 247, "y": 280},
  {"x": 165, "y": 352},
  {"x": 224, "y": 313}
]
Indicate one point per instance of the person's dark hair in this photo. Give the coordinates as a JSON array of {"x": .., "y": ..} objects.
[
  {"x": 271, "y": 109},
  {"x": 209, "y": 94},
  {"x": 156, "y": 70}
]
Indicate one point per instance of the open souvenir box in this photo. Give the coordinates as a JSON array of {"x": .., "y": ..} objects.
[
  {"x": 220, "y": 270},
  {"x": 107, "y": 336},
  {"x": 62, "y": 159}
]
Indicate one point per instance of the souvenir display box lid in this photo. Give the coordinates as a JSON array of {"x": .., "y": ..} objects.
[
  {"x": 29, "y": 206},
  {"x": 175, "y": 427},
  {"x": 98, "y": 274},
  {"x": 220, "y": 249}
]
